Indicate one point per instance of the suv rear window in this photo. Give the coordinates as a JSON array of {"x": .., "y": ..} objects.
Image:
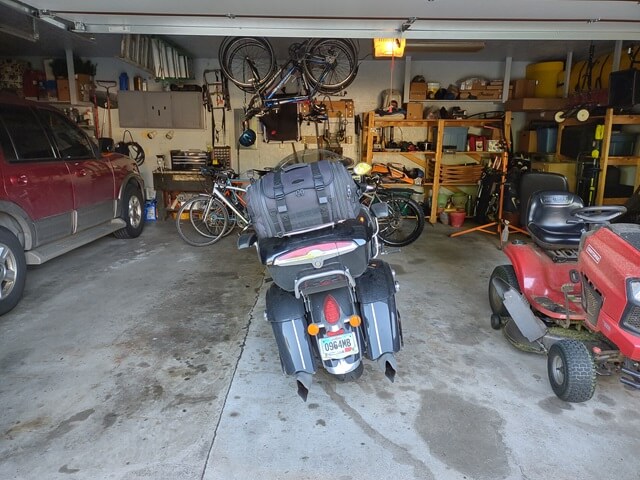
[
  {"x": 29, "y": 140},
  {"x": 70, "y": 140}
]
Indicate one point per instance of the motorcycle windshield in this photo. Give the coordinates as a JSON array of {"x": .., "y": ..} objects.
[{"x": 313, "y": 155}]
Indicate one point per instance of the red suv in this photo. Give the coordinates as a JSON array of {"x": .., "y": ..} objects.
[{"x": 57, "y": 191}]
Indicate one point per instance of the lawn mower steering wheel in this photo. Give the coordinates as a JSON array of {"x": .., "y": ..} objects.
[{"x": 599, "y": 214}]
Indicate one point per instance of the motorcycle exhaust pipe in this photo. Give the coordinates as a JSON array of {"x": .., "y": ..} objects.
[
  {"x": 387, "y": 363},
  {"x": 303, "y": 381}
]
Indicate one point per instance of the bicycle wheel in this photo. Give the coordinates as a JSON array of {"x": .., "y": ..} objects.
[
  {"x": 404, "y": 224},
  {"x": 330, "y": 65},
  {"x": 231, "y": 224},
  {"x": 202, "y": 221},
  {"x": 247, "y": 61}
]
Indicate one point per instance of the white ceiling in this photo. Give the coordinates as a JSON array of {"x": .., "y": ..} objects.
[{"x": 524, "y": 29}]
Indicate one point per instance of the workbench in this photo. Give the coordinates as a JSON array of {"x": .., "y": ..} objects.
[{"x": 168, "y": 184}]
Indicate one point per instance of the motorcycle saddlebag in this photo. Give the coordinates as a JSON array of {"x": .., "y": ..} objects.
[
  {"x": 300, "y": 197},
  {"x": 376, "y": 294}
]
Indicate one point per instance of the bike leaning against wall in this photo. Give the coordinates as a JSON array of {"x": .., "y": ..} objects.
[{"x": 332, "y": 303}]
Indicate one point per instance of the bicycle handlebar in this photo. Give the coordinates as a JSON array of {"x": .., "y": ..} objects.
[{"x": 217, "y": 173}]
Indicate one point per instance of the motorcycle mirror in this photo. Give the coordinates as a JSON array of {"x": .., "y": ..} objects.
[{"x": 362, "y": 168}]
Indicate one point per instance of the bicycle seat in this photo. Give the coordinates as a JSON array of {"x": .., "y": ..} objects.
[{"x": 549, "y": 219}]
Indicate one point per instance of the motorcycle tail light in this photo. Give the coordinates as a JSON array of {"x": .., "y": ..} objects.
[
  {"x": 308, "y": 254},
  {"x": 313, "y": 329},
  {"x": 331, "y": 310},
  {"x": 355, "y": 321}
]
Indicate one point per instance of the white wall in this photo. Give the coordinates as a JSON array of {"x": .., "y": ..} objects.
[{"x": 373, "y": 77}]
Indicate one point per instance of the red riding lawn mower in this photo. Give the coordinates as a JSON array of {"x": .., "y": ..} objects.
[{"x": 574, "y": 294}]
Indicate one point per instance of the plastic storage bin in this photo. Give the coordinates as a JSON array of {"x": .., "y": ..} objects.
[
  {"x": 546, "y": 74},
  {"x": 546, "y": 139},
  {"x": 453, "y": 137},
  {"x": 622, "y": 144}
]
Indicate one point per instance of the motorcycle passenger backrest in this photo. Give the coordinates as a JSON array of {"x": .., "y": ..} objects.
[{"x": 533, "y": 182}]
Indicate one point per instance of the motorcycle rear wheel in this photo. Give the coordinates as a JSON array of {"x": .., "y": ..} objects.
[{"x": 353, "y": 375}]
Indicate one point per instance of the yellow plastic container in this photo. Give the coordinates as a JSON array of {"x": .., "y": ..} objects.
[
  {"x": 560, "y": 84},
  {"x": 546, "y": 76},
  {"x": 602, "y": 66}
]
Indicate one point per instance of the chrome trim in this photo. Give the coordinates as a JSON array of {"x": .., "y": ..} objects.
[
  {"x": 327, "y": 273},
  {"x": 375, "y": 326},
  {"x": 323, "y": 255},
  {"x": 343, "y": 366},
  {"x": 295, "y": 332}
]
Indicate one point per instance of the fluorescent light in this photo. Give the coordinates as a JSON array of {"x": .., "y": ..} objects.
[{"x": 445, "y": 46}]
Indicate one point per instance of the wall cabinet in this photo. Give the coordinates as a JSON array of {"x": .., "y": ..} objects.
[
  {"x": 608, "y": 121},
  {"x": 431, "y": 162},
  {"x": 160, "y": 109}
]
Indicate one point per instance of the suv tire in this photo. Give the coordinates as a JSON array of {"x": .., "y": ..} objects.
[
  {"x": 132, "y": 213},
  {"x": 13, "y": 270}
]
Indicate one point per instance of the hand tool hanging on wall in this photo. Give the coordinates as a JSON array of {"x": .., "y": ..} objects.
[
  {"x": 216, "y": 97},
  {"x": 107, "y": 84}
]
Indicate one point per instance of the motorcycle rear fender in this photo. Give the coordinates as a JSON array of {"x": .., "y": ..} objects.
[
  {"x": 376, "y": 290},
  {"x": 286, "y": 314}
]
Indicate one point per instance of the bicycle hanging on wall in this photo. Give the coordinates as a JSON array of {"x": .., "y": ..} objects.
[{"x": 324, "y": 65}]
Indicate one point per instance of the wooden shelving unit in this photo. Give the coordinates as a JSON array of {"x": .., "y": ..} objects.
[
  {"x": 609, "y": 120},
  {"x": 421, "y": 159}
]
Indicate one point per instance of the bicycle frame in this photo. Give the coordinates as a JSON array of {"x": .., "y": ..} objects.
[
  {"x": 267, "y": 94},
  {"x": 218, "y": 193}
]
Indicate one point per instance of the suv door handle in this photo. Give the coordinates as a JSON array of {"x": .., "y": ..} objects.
[{"x": 18, "y": 180}]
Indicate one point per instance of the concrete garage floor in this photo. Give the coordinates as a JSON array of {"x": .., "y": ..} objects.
[{"x": 150, "y": 359}]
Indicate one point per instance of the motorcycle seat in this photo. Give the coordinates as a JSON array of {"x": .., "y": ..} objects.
[{"x": 549, "y": 220}]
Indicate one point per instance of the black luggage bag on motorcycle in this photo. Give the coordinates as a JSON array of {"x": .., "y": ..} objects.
[{"x": 302, "y": 197}]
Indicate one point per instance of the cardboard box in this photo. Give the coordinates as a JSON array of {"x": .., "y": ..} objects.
[
  {"x": 418, "y": 91},
  {"x": 528, "y": 141},
  {"x": 415, "y": 111},
  {"x": 62, "y": 84},
  {"x": 83, "y": 88},
  {"x": 524, "y": 88}
]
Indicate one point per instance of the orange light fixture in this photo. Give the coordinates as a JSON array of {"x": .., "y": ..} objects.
[
  {"x": 388, "y": 47},
  {"x": 355, "y": 320},
  {"x": 313, "y": 329}
]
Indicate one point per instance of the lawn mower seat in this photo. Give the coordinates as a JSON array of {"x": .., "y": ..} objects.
[
  {"x": 533, "y": 182},
  {"x": 547, "y": 218}
]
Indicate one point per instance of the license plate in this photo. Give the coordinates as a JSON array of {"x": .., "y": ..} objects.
[{"x": 340, "y": 346}]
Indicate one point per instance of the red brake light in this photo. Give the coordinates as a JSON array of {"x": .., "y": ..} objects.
[{"x": 331, "y": 309}]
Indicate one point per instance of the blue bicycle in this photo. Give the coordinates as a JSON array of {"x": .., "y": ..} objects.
[{"x": 315, "y": 66}]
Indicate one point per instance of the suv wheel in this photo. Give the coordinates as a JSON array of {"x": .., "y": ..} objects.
[
  {"x": 13, "y": 270},
  {"x": 132, "y": 213}
]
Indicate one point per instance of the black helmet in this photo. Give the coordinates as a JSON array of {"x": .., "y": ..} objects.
[{"x": 247, "y": 138}]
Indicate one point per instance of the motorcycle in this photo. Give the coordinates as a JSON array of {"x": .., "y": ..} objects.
[{"x": 332, "y": 302}]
